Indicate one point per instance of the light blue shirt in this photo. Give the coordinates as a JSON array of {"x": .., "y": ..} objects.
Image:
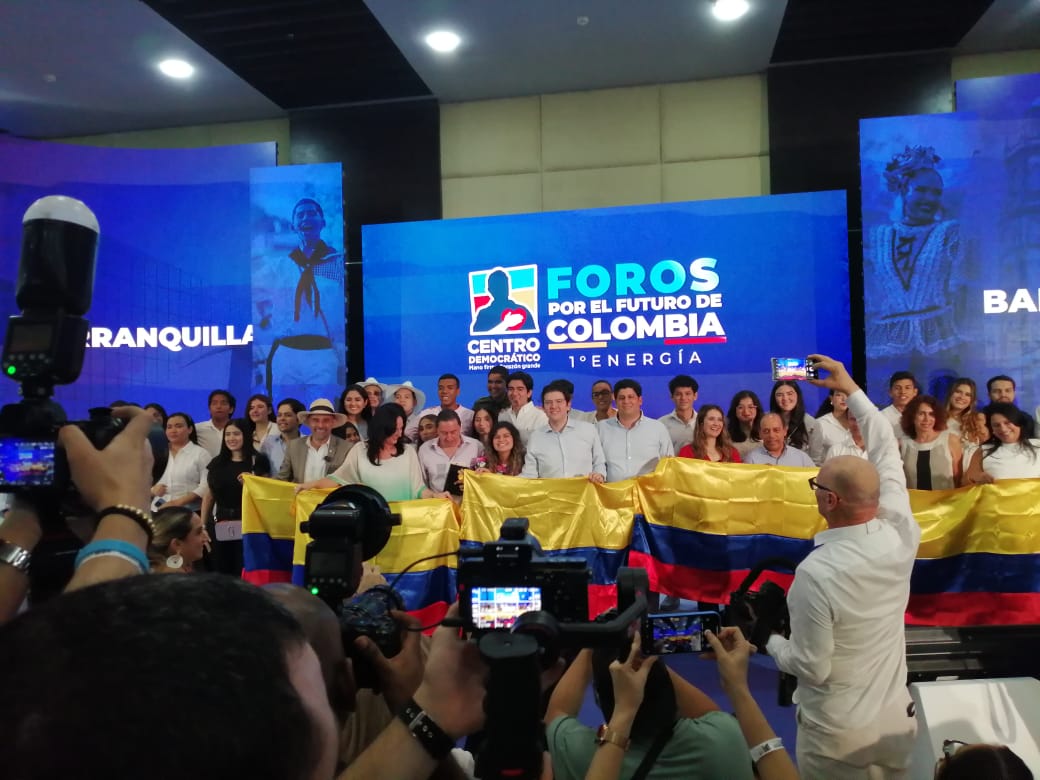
[
  {"x": 274, "y": 448},
  {"x": 636, "y": 450},
  {"x": 575, "y": 451},
  {"x": 790, "y": 456}
]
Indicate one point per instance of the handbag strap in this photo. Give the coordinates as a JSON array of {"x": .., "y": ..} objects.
[{"x": 655, "y": 750}]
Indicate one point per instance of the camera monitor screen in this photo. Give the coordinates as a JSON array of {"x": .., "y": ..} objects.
[
  {"x": 680, "y": 633},
  {"x": 26, "y": 462},
  {"x": 500, "y": 607},
  {"x": 796, "y": 369}
]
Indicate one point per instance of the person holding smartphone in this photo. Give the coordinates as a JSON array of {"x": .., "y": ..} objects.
[{"x": 847, "y": 602}]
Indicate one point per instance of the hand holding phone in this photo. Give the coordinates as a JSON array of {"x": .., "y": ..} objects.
[
  {"x": 793, "y": 369},
  {"x": 677, "y": 632}
]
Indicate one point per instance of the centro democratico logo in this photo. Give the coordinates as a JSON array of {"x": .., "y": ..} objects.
[{"x": 503, "y": 301}]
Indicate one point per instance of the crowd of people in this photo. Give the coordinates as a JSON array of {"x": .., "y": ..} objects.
[{"x": 98, "y": 660}]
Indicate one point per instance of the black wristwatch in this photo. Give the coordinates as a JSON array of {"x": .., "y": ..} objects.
[{"x": 430, "y": 735}]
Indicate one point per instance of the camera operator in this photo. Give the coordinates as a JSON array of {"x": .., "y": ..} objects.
[
  {"x": 847, "y": 605},
  {"x": 677, "y": 732}
]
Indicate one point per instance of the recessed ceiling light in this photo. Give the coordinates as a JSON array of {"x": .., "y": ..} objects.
[
  {"x": 729, "y": 10},
  {"x": 443, "y": 41},
  {"x": 176, "y": 69}
]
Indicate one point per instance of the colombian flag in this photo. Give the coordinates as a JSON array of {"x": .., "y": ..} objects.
[{"x": 569, "y": 517}]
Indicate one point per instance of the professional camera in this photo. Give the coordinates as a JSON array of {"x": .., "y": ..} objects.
[
  {"x": 44, "y": 346},
  {"x": 523, "y": 609},
  {"x": 349, "y": 527},
  {"x": 762, "y": 613}
]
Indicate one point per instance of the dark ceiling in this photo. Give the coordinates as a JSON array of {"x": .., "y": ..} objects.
[
  {"x": 303, "y": 53},
  {"x": 70, "y": 67},
  {"x": 299, "y": 53}
]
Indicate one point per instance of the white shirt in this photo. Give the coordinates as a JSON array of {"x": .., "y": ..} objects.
[
  {"x": 848, "y": 599},
  {"x": 680, "y": 430},
  {"x": 526, "y": 419},
  {"x": 630, "y": 452},
  {"x": 893, "y": 416},
  {"x": 209, "y": 436},
  {"x": 828, "y": 433},
  {"x": 436, "y": 462},
  {"x": 575, "y": 451},
  {"x": 1012, "y": 461},
  {"x": 316, "y": 461},
  {"x": 186, "y": 472}
]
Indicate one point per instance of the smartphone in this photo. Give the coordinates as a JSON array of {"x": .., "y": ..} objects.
[
  {"x": 26, "y": 463},
  {"x": 499, "y": 607},
  {"x": 795, "y": 369},
  {"x": 678, "y": 632}
]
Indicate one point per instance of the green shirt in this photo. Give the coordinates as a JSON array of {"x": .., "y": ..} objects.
[{"x": 711, "y": 746}]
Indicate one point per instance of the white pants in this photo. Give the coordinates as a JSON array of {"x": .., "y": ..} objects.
[{"x": 880, "y": 751}]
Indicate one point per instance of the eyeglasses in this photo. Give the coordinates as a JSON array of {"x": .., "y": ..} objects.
[
  {"x": 814, "y": 485},
  {"x": 600, "y": 393}
]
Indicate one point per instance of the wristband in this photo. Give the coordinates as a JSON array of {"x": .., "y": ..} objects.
[
  {"x": 430, "y": 735},
  {"x": 139, "y": 516},
  {"x": 15, "y": 555},
  {"x": 106, "y": 546},
  {"x": 765, "y": 748}
]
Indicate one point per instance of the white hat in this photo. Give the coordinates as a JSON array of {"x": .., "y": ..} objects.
[
  {"x": 420, "y": 396},
  {"x": 382, "y": 386},
  {"x": 323, "y": 406}
]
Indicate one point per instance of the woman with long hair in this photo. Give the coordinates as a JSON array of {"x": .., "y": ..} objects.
[
  {"x": 353, "y": 402},
  {"x": 1011, "y": 451},
  {"x": 383, "y": 463},
  {"x": 832, "y": 427},
  {"x": 962, "y": 418},
  {"x": 260, "y": 419},
  {"x": 222, "y": 507},
  {"x": 183, "y": 482},
  {"x": 745, "y": 415},
  {"x": 179, "y": 542},
  {"x": 484, "y": 419},
  {"x": 710, "y": 438},
  {"x": 506, "y": 453},
  {"x": 932, "y": 455},
  {"x": 787, "y": 401}
]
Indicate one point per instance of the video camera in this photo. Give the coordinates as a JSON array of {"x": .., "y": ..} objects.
[
  {"x": 44, "y": 346},
  {"x": 762, "y": 613},
  {"x": 349, "y": 527},
  {"x": 523, "y": 608}
]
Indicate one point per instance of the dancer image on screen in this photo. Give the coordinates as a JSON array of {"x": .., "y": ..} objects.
[
  {"x": 910, "y": 263},
  {"x": 306, "y": 292}
]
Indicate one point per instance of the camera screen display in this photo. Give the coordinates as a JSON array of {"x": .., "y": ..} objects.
[
  {"x": 30, "y": 337},
  {"x": 26, "y": 462},
  {"x": 796, "y": 369},
  {"x": 680, "y": 632},
  {"x": 500, "y": 607},
  {"x": 326, "y": 564}
]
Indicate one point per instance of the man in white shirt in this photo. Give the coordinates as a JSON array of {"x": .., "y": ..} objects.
[
  {"x": 902, "y": 389},
  {"x": 774, "y": 450},
  {"x": 563, "y": 447},
  {"x": 448, "y": 394},
  {"x": 211, "y": 433},
  {"x": 632, "y": 442},
  {"x": 847, "y": 605},
  {"x": 1001, "y": 389},
  {"x": 287, "y": 420},
  {"x": 602, "y": 404},
  {"x": 681, "y": 420},
  {"x": 319, "y": 454},
  {"x": 522, "y": 412},
  {"x": 450, "y": 447}
]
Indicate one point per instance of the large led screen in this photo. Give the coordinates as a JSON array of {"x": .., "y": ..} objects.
[
  {"x": 951, "y": 244},
  {"x": 171, "y": 316},
  {"x": 712, "y": 288}
]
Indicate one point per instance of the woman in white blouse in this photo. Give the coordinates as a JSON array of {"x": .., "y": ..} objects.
[
  {"x": 183, "y": 483},
  {"x": 1011, "y": 452}
]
